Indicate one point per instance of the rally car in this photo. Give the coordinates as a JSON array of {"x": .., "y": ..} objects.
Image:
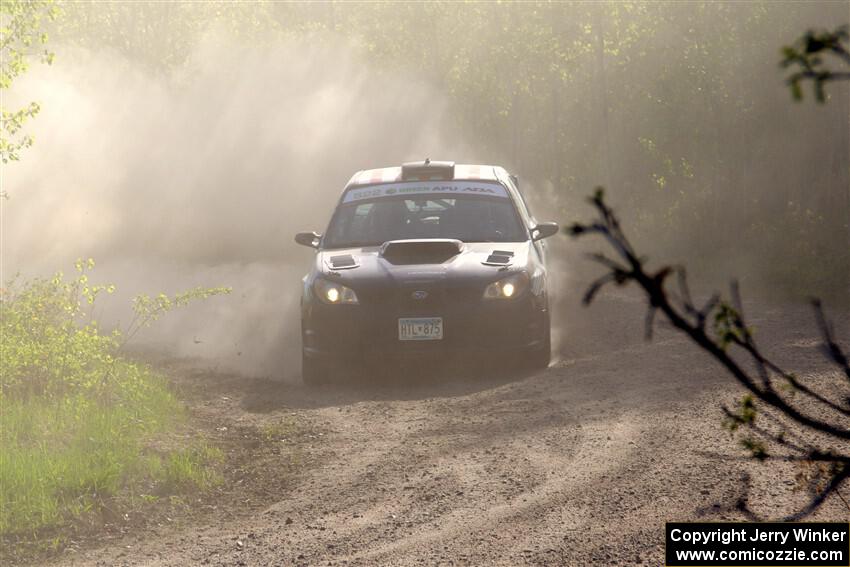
[{"x": 426, "y": 261}]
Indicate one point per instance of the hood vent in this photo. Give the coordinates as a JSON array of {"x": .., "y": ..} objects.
[
  {"x": 431, "y": 251},
  {"x": 499, "y": 258},
  {"x": 342, "y": 262}
]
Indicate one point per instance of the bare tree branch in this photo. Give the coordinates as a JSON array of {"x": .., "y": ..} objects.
[{"x": 731, "y": 330}]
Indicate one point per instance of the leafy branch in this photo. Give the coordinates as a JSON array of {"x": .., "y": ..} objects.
[
  {"x": 52, "y": 342},
  {"x": 794, "y": 429},
  {"x": 22, "y": 37},
  {"x": 806, "y": 55},
  {"x": 148, "y": 309}
]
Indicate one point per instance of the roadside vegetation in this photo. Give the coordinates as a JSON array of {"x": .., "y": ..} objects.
[
  {"x": 80, "y": 424},
  {"x": 782, "y": 418},
  {"x": 83, "y": 428}
]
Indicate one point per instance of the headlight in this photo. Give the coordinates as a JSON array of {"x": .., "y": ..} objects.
[
  {"x": 334, "y": 293},
  {"x": 507, "y": 288}
]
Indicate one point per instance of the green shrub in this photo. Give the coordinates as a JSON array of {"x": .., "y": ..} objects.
[{"x": 76, "y": 418}]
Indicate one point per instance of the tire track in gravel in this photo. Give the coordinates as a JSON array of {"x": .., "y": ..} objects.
[{"x": 579, "y": 465}]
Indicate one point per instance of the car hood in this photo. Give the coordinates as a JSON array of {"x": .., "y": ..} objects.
[{"x": 484, "y": 261}]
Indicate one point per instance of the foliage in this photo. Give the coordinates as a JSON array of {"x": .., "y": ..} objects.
[
  {"x": 806, "y": 55},
  {"x": 76, "y": 416},
  {"x": 22, "y": 36},
  {"x": 147, "y": 309},
  {"x": 810, "y": 430},
  {"x": 570, "y": 93}
]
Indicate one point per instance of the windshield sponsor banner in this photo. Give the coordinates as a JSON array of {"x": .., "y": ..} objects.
[
  {"x": 445, "y": 189},
  {"x": 761, "y": 544}
]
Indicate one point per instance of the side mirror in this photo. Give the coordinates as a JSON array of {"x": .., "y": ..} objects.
[
  {"x": 310, "y": 239},
  {"x": 544, "y": 230}
]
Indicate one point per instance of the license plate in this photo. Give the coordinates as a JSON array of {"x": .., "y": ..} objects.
[{"x": 420, "y": 329}]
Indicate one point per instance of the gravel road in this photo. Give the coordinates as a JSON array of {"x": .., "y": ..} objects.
[{"x": 578, "y": 465}]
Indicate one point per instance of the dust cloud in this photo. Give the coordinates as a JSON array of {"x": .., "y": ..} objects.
[
  {"x": 203, "y": 177},
  {"x": 201, "y": 174}
]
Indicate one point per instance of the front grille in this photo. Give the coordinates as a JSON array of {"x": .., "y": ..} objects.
[{"x": 406, "y": 300}]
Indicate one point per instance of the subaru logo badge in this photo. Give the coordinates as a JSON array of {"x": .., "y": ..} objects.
[{"x": 420, "y": 295}]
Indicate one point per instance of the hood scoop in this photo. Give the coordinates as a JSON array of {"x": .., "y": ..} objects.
[
  {"x": 428, "y": 251},
  {"x": 499, "y": 258},
  {"x": 342, "y": 262}
]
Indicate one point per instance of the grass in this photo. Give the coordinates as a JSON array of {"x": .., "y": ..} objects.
[
  {"x": 279, "y": 430},
  {"x": 78, "y": 422},
  {"x": 185, "y": 468}
]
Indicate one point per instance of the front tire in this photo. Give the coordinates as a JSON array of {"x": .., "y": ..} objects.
[
  {"x": 540, "y": 356},
  {"x": 314, "y": 372}
]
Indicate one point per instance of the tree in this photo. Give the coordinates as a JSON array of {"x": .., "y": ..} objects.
[
  {"x": 22, "y": 37},
  {"x": 808, "y": 56},
  {"x": 782, "y": 417}
]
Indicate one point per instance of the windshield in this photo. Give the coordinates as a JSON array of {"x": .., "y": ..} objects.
[{"x": 469, "y": 218}]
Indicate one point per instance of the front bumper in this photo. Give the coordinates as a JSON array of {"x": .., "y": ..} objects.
[{"x": 472, "y": 327}]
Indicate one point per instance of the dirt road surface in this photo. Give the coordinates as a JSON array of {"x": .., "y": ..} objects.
[{"x": 578, "y": 465}]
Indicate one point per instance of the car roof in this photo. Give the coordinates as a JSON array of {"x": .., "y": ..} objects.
[{"x": 393, "y": 174}]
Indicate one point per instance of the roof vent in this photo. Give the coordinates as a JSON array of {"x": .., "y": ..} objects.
[{"x": 428, "y": 170}]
